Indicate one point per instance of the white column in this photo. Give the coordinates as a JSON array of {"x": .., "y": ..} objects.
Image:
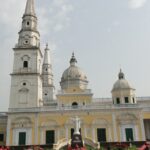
[
  {"x": 36, "y": 129},
  {"x": 85, "y": 133},
  {"x": 122, "y": 133},
  {"x": 114, "y": 127},
  {"x": 42, "y": 133},
  {"x": 93, "y": 133},
  {"x": 15, "y": 137},
  {"x": 67, "y": 133},
  {"x": 142, "y": 127},
  {"x": 29, "y": 136},
  {"x": 8, "y": 131},
  {"x": 109, "y": 135},
  {"x": 136, "y": 135}
]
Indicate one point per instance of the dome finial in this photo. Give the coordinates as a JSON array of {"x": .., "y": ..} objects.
[
  {"x": 46, "y": 48},
  {"x": 46, "y": 45},
  {"x": 121, "y": 74},
  {"x": 73, "y": 54},
  {"x": 73, "y": 60}
]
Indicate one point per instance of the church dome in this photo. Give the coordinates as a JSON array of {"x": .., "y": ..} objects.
[
  {"x": 73, "y": 76},
  {"x": 73, "y": 72},
  {"x": 121, "y": 83}
]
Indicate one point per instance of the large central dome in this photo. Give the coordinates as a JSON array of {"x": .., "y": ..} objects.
[
  {"x": 74, "y": 72},
  {"x": 73, "y": 77}
]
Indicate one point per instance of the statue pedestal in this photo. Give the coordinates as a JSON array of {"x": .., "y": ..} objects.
[{"x": 76, "y": 141}]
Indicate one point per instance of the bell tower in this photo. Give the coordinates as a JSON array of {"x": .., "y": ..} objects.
[{"x": 26, "y": 82}]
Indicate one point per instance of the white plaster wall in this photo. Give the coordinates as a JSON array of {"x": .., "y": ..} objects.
[{"x": 34, "y": 85}]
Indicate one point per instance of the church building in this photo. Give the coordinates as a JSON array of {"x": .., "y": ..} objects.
[{"x": 38, "y": 116}]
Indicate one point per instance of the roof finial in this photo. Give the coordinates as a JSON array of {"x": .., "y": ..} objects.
[
  {"x": 73, "y": 60},
  {"x": 73, "y": 54},
  {"x": 29, "y": 8},
  {"x": 120, "y": 70},
  {"x": 47, "y": 59},
  {"x": 46, "y": 46},
  {"x": 121, "y": 74}
]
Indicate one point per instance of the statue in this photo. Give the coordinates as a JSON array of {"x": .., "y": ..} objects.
[
  {"x": 76, "y": 141},
  {"x": 76, "y": 120}
]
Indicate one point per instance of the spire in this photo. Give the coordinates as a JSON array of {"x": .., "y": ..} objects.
[
  {"x": 47, "y": 56},
  {"x": 47, "y": 77},
  {"x": 30, "y": 8},
  {"x": 73, "y": 60},
  {"x": 121, "y": 75},
  {"x": 47, "y": 68},
  {"x": 29, "y": 36}
]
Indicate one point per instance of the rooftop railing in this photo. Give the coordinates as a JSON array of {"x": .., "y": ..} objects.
[{"x": 74, "y": 108}]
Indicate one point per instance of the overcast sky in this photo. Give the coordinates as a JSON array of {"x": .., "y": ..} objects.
[{"x": 104, "y": 34}]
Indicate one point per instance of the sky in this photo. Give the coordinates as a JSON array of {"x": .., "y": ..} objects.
[{"x": 105, "y": 35}]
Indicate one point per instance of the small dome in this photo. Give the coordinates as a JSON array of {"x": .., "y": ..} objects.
[
  {"x": 121, "y": 83},
  {"x": 73, "y": 76}
]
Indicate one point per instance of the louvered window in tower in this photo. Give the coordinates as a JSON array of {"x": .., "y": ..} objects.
[
  {"x": 25, "y": 64},
  {"x": 28, "y": 23}
]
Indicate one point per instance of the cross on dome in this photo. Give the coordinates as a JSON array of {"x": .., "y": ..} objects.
[
  {"x": 73, "y": 60},
  {"x": 121, "y": 75}
]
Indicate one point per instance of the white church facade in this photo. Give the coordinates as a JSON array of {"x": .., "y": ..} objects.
[{"x": 37, "y": 116}]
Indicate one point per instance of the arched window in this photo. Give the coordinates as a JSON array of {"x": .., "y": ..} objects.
[
  {"x": 25, "y": 64},
  {"x": 74, "y": 104},
  {"x": 28, "y": 23},
  {"x": 126, "y": 99},
  {"x": 133, "y": 100},
  {"x": 117, "y": 100}
]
